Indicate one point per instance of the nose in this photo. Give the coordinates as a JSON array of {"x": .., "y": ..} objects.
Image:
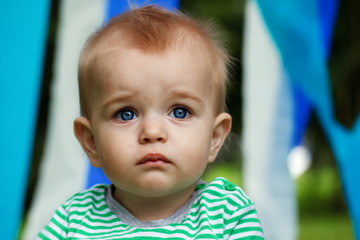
[{"x": 152, "y": 130}]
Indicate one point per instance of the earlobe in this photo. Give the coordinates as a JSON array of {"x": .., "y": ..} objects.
[
  {"x": 83, "y": 132},
  {"x": 222, "y": 127}
]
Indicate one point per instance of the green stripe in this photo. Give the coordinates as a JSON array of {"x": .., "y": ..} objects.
[
  {"x": 53, "y": 232},
  {"x": 93, "y": 220},
  {"x": 94, "y": 200},
  {"x": 246, "y": 229},
  {"x": 91, "y": 212},
  {"x": 205, "y": 199},
  {"x": 136, "y": 230},
  {"x": 160, "y": 230},
  {"x": 240, "y": 218},
  {"x": 210, "y": 208},
  {"x": 59, "y": 225},
  {"x": 223, "y": 196},
  {"x": 42, "y": 236},
  {"x": 89, "y": 204},
  {"x": 96, "y": 190},
  {"x": 60, "y": 214}
]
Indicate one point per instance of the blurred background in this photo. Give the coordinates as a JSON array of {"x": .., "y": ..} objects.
[
  {"x": 321, "y": 205},
  {"x": 322, "y": 211}
]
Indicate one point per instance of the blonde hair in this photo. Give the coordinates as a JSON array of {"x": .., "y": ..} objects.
[{"x": 152, "y": 29}]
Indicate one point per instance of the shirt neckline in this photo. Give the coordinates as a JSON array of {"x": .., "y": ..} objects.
[{"x": 127, "y": 218}]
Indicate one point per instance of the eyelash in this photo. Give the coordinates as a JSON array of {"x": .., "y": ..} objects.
[
  {"x": 188, "y": 112},
  {"x": 120, "y": 117}
]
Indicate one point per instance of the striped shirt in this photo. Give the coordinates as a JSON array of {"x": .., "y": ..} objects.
[{"x": 220, "y": 210}]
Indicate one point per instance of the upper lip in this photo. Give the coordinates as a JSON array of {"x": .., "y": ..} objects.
[{"x": 153, "y": 157}]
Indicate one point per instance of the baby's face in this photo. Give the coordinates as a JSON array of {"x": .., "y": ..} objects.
[{"x": 153, "y": 119}]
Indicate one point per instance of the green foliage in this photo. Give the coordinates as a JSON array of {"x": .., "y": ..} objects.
[
  {"x": 230, "y": 171},
  {"x": 322, "y": 226},
  {"x": 319, "y": 192}
]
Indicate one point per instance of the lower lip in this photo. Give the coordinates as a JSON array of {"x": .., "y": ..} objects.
[{"x": 154, "y": 163}]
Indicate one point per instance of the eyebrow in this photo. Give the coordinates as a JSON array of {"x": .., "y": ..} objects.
[
  {"x": 176, "y": 93},
  {"x": 186, "y": 94},
  {"x": 124, "y": 96}
]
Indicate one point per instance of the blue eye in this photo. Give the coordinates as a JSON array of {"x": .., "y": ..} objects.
[
  {"x": 180, "y": 112},
  {"x": 126, "y": 115}
]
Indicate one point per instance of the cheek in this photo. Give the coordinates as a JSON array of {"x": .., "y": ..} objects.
[
  {"x": 195, "y": 160},
  {"x": 112, "y": 145},
  {"x": 197, "y": 146}
]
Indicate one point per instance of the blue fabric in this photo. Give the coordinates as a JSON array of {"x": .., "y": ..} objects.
[
  {"x": 23, "y": 28},
  {"x": 301, "y": 115},
  {"x": 327, "y": 12},
  {"x": 302, "y": 31},
  {"x": 114, "y": 7},
  {"x": 95, "y": 176}
]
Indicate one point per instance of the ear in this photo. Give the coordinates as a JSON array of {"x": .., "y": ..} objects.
[
  {"x": 83, "y": 133},
  {"x": 222, "y": 127}
]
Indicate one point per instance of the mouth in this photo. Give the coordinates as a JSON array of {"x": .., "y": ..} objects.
[{"x": 153, "y": 159}]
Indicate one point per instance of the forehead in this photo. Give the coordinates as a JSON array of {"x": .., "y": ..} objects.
[
  {"x": 158, "y": 73},
  {"x": 124, "y": 63}
]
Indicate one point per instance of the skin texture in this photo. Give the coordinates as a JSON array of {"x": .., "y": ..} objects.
[{"x": 152, "y": 127}]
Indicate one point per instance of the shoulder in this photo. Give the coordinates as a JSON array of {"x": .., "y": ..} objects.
[
  {"x": 88, "y": 207},
  {"x": 221, "y": 189},
  {"x": 93, "y": 195},
  {"x": 227, "y": 208}
]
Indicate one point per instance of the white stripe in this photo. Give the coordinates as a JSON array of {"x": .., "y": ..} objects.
[
  {"x": 94, "y": 217},
  {"x": 82, "y": 200},
  {"x": 246, "y": 234},
  {"x": 64, "y": 166},
  {"x": 81, "y": 209},
  {"x": 242, "y": 196},
  {"x": 267, "y": 130},
  {"x": 61, "y": 221},
  {"x": 89, "y": 199},
  {"x": 197, "y": 223},
  {"x": 47, "y": 234},
  {"x": 96, "y": 222},
  {"x": 56, "y": 229},
  {"x": 62, "y": 211},
  {"x": 194, "y": 224},
  {"x": 121, "y": 228},
  {"x": 251, "y": 216},
  {"x": 145, "y": 234},
  {"x": 98, "y": 230},
  {"x": 234, "y": 198},
  {"x": 236, "y": 225},
  {"x": 238, "y": 212}
]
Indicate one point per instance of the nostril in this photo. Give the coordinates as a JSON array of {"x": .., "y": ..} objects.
[{"x": 154, "y": 135}]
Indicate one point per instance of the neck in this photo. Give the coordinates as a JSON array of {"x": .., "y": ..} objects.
[{"x": 153, "y": 208}]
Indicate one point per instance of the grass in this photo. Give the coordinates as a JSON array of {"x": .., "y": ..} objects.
[{"x": 325, "y": 226}]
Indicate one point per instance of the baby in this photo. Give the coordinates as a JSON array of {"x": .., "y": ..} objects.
[{"x": 152, "y": 94}]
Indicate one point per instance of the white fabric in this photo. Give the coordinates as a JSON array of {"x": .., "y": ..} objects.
[
  {"x": 268, "y": 128},
  {"x": 64, "y": 164}
]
